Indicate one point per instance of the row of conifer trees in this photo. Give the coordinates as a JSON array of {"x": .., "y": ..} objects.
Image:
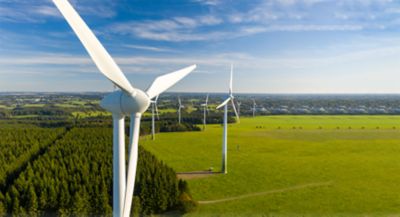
[{"x": 74, "y": 178}]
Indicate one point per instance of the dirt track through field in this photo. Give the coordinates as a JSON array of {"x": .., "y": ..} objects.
[
  {"x": 296, "y": 187},
  {"x": 195, "y": 174}
]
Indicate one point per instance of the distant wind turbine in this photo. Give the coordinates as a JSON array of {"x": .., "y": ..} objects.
[
  {"x": 225, "y": 134},
  {"x": 154, "y": 110},
  {"x": 179, "y": 109},
  {"x": 205, "y": 110},
  {"x": 126, "y": 101},
  {"x": 254, "y": 108},
  {"x": 239, "y": 104}
]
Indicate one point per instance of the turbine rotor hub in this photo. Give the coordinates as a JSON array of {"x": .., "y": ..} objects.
[{"x": 120, "y": 102}]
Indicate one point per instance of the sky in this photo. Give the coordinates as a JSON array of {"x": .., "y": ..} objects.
[{"x": 276, "y": 46}]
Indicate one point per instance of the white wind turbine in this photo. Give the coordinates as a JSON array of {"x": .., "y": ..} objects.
[
  {"x": 254, "y": 108},
  {"x": 239, "y": 104},
  {"x": 127, "y": 101},
  {"x": 205, "y": 110},
  {"x": 154, "y": 110},
  {"x": 225, "y": 134},
  {"x": 179, "y": 109}
]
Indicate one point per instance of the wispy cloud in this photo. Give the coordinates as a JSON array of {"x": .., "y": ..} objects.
[
  {"x": 208, "y": 2},
  {"x": 151, "y": 64},
  {"x": 175, "y": 29},
  {"x": 148, "y": 48},
  {"x": 31, "y": 14},
  {"x": 301, "y": 69},
  {"x": 268, "y": 16},
  {"x": 38, "y": 11}
]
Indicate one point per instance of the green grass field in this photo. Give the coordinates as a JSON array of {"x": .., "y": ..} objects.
[{"x": 292, "y": 165}]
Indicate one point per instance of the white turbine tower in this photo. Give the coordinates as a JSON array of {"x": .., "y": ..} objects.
[
  {"x": 179, "y": 109},
  {"x": 225, "y": 133},
  {"x": 205, "y": 110},
  {"x": 254, "y": 108},
  {"x": 127, "y": 101},
  {"x": 154, "y": 110}
]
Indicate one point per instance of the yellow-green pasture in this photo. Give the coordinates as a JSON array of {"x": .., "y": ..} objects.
[{"x": 292, "y": 166}]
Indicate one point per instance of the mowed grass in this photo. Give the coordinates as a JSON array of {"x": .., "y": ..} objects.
[{"x": 356, "y": 158}]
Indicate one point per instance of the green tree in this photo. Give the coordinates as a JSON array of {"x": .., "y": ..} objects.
[
  {"x": 15, "y": 201},
  {"x": 2, "y": 209},
  {"x": 32, "y": 202},
  {"x": 79, "y": 205},
  {"x": 136, "y": 206}
]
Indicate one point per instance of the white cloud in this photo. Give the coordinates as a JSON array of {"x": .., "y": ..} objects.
[
  {"x": 39, "y": 11},
  {"x": 174, "y": 29},
  {"x": 294, "y": 71},
  {"x": 31, "y": 14},
  {"x": 47, "y": 11},
  {"x": 148, "y": 48},
  {"x": 208, "y": 2}
]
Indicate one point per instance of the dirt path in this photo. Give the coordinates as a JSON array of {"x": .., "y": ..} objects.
[
  {"x": 195, "y": 174},
  {"x": 296, "y": 187}
]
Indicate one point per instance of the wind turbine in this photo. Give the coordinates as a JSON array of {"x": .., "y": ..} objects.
[
  {"x": 179, "y": 109},
  {"x": 126, "y": 101},
  {"x": 254, "y": 108},
  {"x": 225, "y": 134},
  {"x": 154, "y": 110},
  {"x": 239, "y": 104},
  {"x": 205, "y": 110}
]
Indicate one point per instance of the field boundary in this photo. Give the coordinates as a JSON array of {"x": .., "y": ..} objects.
[
  {"x": 296, "y": 187},
  {"x": 195, "y": 174}
]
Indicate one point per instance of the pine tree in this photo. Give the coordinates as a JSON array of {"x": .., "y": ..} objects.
[
  {"x": 136, "y": 206},
  {"x": 105, "y": 207},
  {"x": 15, "y": 201},
  {"x": 15, "y": 206},
  {"x": 52, "y": 198},
  {"x": 79, "y": 205},
  {"x": 43, "y": 199},
  {"x": 8, "y": 202},
  {"x": 2, "y": 209},
  {"x": 64, "y": 197},
  {"x": 32, "y": 202}
]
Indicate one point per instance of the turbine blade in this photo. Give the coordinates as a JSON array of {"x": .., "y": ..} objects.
[
  {"x": 234, "y": 109},
  {"x": 207, "y": 99},
  {"x": 163, "y": 82},
  {"x": 179, "y": 101},
  {"x": 97, "y": 52},
  {"x": 224, "y": 103}
]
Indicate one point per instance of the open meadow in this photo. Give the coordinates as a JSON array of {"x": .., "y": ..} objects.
[{"x": 291, "y": 165}]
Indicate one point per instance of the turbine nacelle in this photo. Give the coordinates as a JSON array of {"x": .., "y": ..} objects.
[{"x": 119, "y": 102}]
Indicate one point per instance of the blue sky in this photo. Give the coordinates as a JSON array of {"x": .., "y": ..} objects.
[{"x": 276, "y": 46}]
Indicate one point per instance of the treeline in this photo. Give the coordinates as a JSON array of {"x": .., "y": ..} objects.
[
  {"x": 17, "y": 146},
  {"x": 74, "y": 178},
  {"x": 167, "y": 126},
  {"x": 163, "y": 125},
  {"x": 45, "y": 110}
]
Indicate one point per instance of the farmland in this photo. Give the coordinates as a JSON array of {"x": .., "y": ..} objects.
[
  {"x": 278, "y": 165},
  {"x": 290, "y": 165}
]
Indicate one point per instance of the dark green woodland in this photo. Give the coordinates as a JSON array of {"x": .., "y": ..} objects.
[{"x": 58, "y": 172}]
